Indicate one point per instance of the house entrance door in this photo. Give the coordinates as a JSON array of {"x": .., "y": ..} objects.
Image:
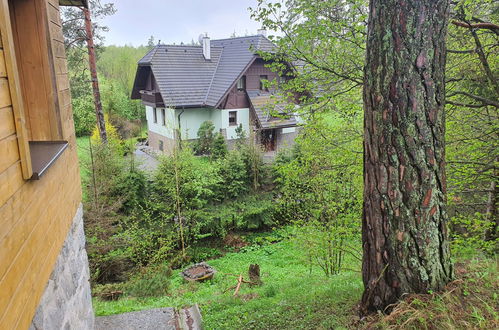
[{"x": 269, "y": 137}]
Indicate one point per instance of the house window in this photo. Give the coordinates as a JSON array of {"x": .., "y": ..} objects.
[
  {"x": 241, "y": 83},
  {"x": 163, "y": 117},
  {"x": 155, "y": 115},
  {"x": 29, "y": 78},
  {"x": 232, "y": 118},
  {"x": 263, "y": 78},
  {"x": 160, "y": 145}
]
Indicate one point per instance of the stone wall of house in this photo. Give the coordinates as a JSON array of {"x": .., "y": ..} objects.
[
  {"x": 156, "y": 139},
  {"x": 67, "y": 301}
]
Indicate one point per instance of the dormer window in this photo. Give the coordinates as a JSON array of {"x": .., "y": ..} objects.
[
  {"x": 241, "y": 83},
  {"x": 263, "y": 79}
]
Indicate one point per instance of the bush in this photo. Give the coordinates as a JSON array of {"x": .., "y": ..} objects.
[
  {"x": 83, "y": 115},
  {"x": 235, "y": 175},
  {"x": 113, "y": 138},
  {"x": 219, "y": 148},
  {"x": 151, "y": 281},
  {"x": 206, "y": 137},
  {"x": 468, "y": 236}
]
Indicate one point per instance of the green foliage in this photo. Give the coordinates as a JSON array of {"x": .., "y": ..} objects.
[
  {"x": 198, "y": 180},
  {"x": 250, "y": 212},
  {"x": 289, "y": 298},
  {"x": 219, "y": 147},
  {"x": 469, "y": 236},
  {"x": 322, "y": 177},
  {"x": 116, "y": 101},
  {"x": 235, "y": 175},
  {"x": 150, "y": 282},
  {"x": 116, "y": 144},
  {"x": 206, "y": 138},
  {"x": 83, "y": 115},
  {"x": 326, "y": 244}
]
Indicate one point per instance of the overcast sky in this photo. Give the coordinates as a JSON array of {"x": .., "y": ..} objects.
[{"x": 175, "y": 21}]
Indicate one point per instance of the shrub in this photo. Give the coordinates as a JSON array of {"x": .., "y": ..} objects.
[
  {"x": 150, "y": 281},
  {"x": 468, "y": 235},
  {"x": 83, "y": 115},
  {"x": 219, "y": 148},
  {"x": 206, "y": 137},
  {"x": 113, "y": 138},
  {"x": 235, "y": 175}
]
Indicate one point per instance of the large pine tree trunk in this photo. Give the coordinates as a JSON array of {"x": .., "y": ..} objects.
[
  {"x": 101, "y": 124},
  {"x": 404, "y": 221}
]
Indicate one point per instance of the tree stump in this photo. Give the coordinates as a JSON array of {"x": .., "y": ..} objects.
[{"x": 254, "y": 274}]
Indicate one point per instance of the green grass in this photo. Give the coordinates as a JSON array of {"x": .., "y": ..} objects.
[{"x": 292, "y": 295}]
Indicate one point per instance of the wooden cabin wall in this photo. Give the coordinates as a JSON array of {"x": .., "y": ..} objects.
[{"x": 35, "y": 216}]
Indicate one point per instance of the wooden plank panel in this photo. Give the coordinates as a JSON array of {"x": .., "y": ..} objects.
[
  {"x": 65, "y": 98},
  {"x": 10, "y": 181},
  {"x": 62, "y": 82},
  {"x": 54, "y": 14},
  {"x": 7, "y": 125},
  {"x": 58, "y": 234},
  {"x": 55, "y": 32},
  {"x": 3, "y": 68},
  {"x": 53, "y": 227},
  {"x": 31, "y": 54},
  {"x": 58, "y": 49},
  {"x": 54, "y": 3},
  {"x": 5, "y": 99},
  {"x": 61, "y": 65},
  {"x": 10, "y": 152},
  {"x": 15, "y": 88}
]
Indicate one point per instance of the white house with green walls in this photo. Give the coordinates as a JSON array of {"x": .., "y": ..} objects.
[{"x": 223, "y": 81}]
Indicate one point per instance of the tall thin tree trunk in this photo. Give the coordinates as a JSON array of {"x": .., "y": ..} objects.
[
  {"x": 404, "y": 228},
  {"x": 101, "y": 124},
  {"x": 491, "y": 211}
]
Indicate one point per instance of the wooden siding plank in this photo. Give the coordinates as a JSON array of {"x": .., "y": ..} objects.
[
  {"x": 62, "y": 82},
  {"x": 55, "y": 32},
  {"x": 7, "y": 125},
  {"x": 10, "y": 152},
  {"x": 61, "y": 65},
  {"x": 15, "y": 88},
  {"x": 5, "y": 100},
  {"x": 54, "y": 14},
  {"x": 58, "y": 49},
  {"x": 3, "y": 68},
  {"x": 53, "y": 228},
  {"x": 10, "y": 181}
]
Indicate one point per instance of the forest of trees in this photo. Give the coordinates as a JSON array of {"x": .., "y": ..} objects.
[{"x": 398, "y": 150}]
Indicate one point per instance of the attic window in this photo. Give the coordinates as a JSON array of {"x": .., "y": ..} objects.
[
  {"x": 263, "y": 79},
  {"x": 232, "y": 118},
  {"x": 241, "y": 83}
]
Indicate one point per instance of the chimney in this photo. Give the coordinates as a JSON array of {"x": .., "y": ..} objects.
[
  {"x": 262, "y": 32},
  {"x": 206, "y": 47}
]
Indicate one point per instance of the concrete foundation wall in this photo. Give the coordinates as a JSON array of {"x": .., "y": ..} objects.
[{"x": 67, "y": 302}]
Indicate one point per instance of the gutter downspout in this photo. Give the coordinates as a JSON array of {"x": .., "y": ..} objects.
[{"x": 179, "y": 129}]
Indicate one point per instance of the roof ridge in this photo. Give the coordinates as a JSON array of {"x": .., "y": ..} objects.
[
  {"x": 214, "y": 74},
  {"x": 232, "y": 38}
]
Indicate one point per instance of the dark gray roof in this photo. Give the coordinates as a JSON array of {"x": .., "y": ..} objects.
[
  {"x": 271, "y": 110},
  {"x": 185, "y": 78}
]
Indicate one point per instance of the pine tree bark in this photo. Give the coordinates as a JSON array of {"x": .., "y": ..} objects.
[
  {"x": 404, "y": 229},
  {"x": 101, "y": 124}
]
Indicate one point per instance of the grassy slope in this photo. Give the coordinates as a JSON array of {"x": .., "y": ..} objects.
[{"x": 291, "y": 296}]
